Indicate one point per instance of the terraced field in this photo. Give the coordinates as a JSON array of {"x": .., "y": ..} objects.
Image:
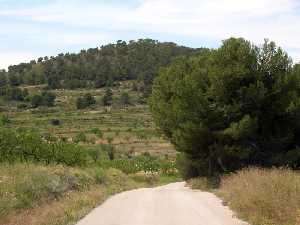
[{"x": 130, "y": 129}]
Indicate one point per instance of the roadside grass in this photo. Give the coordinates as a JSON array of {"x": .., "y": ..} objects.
[
  {"x": 203, "y": 183},
  {"x": 264, "y": 196},
  {"x": 24, "y": 185},
  {"x": 56, "y": 195},
  {"x": 257, "y": 195}
]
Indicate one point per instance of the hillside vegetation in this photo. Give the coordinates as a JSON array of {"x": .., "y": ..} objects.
[
  {"x": 33, "y": 194},
  {"x": 76, "y": 128},
  {"x": 260, "y": 196},
  {"x": 231, "y": 107},
  {"x": 96, "y": 67},
  {"x": 58, "y": 162}
]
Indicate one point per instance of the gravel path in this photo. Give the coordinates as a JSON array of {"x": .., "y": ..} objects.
[{"x": 172, "y": 204}]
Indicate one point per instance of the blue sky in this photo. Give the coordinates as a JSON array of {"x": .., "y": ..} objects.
[{"x": 33, "y": 28}]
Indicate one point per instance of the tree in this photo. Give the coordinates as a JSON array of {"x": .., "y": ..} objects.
[
  {"x": 3, "y": 79},
  {"x": 99, "y": 67},
  {"x": 14, "y": 80},
  {"x": 231, "y": 107},
  {"x": 80, "y": 103},
  {"x": 44, "y": 99},
  {"x": 48, "y": 98},
  {"x": 36, "y": 101},
  {"x": 85, "y": 101},
  {"x": 125, "y": 99},
  {"x": 108, "y": 97}
]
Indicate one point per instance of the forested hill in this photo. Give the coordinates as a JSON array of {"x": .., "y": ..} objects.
[{"x": 97, "y": 67}]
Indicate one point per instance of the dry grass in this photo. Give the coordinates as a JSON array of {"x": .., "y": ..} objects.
[
  {"x": 55, "y": 195},
  {"x": 264, "y": 196},
  {"x": 202, "y": 183},
  {"x": 66, "y": 210}
]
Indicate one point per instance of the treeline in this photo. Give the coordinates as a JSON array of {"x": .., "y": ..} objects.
[
  {"x": 231, "y": 107},
  {"x": 97, "y": 67}
]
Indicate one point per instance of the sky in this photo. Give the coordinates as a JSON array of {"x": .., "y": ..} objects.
[{"x": 33, "y": 28}]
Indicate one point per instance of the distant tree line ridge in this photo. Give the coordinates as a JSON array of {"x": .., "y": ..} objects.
[{"x": 97, "y": 67}]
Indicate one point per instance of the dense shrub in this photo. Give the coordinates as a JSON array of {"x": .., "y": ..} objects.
[
  {"x": 55, "y": 122},
  {"x": 30, "y": 147},
  {"x": 4, "y": 120},
  {"x": 85, "y": 101},
  {"x": 44, "y": 99},
  {"x": 26, "y": 184},
  {"x": 95, "y": 154},
  {"x": 13, "y": 93},
  {"x": 80, "y": 137},
  {"x": 110, "y": 150}
]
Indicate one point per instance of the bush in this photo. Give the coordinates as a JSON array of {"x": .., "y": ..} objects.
[
  {"x": 110, "y": 150},
  {"x": 187, "y": 167},
  {"x": 26, "y": 184},
  {"x": 23, "y": 106},
  {"x": 97, "y": 132},
  {"x": 29, "y": 146},
  {"x": 45, "y": 99},
  {"x": 264, "y": 196},
  {"x": 13, "y": 93},
  {"x": 36, "y": 101},
  {"x": 85, "y": 101},
  {"x": 4, "y": 120},
  {"x": 95, "y": 154},
  {"x": 55, "y": 122},
  {"x": 80, "y": 137}
]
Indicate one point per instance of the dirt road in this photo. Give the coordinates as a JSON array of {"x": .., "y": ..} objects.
[{"x": 173, "y": 204}]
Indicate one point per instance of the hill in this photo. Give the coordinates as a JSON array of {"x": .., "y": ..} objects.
[{"x": 98, "y": 67}]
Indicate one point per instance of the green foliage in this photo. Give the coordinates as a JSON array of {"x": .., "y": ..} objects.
[
  {"x": 85, "y": 101},
  {"x": 99, "y": 67},
  {"x": 125, "y": 99},
  {"x": 10, "y": 93},
  {"x": 95, "y": 154},
  {"x": 230, "y": 107},
  {"x": 97, "y": 132},
  {"x": 4, "y": 120},
  {"x": 36, "y": 101},
  {"x": 26, "y": 184},
  {"x": 80, "y": 137},
  {"x": 107, "y": 98},
  {"x": 144, "y": 163},
  {"x": 3, "y": 79},
  {"x": 45, "y": 99},
  {"x": 110, "y": 150},
  {"x": 29, "y": 146}
]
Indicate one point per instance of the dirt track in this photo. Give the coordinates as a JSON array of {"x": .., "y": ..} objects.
[{"x": 172, "y": 204}]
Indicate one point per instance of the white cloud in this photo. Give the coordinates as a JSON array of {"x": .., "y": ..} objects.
[
  {"x": 212, "y": 19},
  {"x": 6, "y": 59}
]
